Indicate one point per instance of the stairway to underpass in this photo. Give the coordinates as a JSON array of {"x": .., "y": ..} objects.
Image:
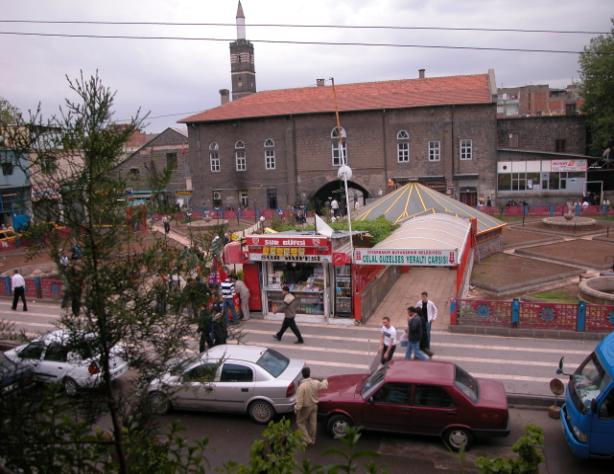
[{"x": 438, "y": 282}]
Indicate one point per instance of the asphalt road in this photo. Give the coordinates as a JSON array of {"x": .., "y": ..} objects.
[{"x": 231, "y": 436}]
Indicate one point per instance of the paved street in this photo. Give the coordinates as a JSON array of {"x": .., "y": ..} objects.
[
  {"x": 524, "y": 365},
  {"x": 230, "y": 437}
]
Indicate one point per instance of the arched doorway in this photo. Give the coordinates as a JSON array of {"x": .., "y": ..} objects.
[{"x": 321, "y": 199}]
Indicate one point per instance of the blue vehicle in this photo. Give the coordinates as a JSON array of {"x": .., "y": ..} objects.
[{"x": 587, "y": 415}]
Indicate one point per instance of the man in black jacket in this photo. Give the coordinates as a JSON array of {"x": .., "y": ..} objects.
[{"x": 414, "y": 334}]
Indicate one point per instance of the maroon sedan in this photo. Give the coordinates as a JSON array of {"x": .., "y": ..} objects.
[{"x": 430, "y": 398}]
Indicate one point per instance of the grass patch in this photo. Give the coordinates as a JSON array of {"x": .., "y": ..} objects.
[{"x": 559, "y": 295}]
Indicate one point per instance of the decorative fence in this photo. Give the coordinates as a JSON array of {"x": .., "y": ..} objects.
[
  {"x": 581, "y": 317},
  {"x": 546, "y": 211},
  {"x": 37, "y": 287}
]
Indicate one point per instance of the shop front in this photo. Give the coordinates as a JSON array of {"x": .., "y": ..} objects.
[{"x": 319, "y": 276}]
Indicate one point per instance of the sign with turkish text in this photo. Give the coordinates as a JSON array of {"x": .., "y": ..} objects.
[
  {"x": 568, "y": 165},
  {"x": 411, "y": 257},
  {"x": 289, "y": 249}
]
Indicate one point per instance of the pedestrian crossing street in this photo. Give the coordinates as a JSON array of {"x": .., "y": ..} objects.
[{"x": 524, "y": 365}]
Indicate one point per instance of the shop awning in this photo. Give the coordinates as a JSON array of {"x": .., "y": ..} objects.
[{"x": 431, "y": 240}]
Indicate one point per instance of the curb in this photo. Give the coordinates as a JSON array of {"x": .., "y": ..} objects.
[
  {"x": 518, "y": 400},
  {"x": 534, "y": 333}
]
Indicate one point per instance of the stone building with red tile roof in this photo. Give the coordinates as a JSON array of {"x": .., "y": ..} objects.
[
  {"x": 279, "y": 147},
  {"x": 276, "y": 148}
]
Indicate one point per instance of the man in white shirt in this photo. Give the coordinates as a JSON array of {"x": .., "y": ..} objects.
[
  {"x": 388, "y": 340},
  {"x": 334, "y": 206},
  {"x": 19, "y": 290},
  {"x": 429, "y": 314}
]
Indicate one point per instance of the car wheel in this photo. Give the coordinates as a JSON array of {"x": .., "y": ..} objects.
[
  {"x": 458, "y": 438},
  {"x": 70, "y": 387},
  {"x": 261, "y": 412},
  {"x": 159, "y": 403},
  {"x": 338, "y": 425}
]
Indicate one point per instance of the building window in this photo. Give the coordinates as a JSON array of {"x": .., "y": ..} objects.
[
  {"x": 559, "y": 145},
  {"x": 171, "y": 161},
  {"x": 214, "y": 157},
  {"x": 339, "y": 147},
  {"x": 402, "y": 146},
  {"x": 466, "y": 149},
  {"x": 217, "y": 199},
  {"x": 512, "y": 140},
  {"x": 7, "y": 169},
  {"x": 269, "y": 154},
  {"x": 134, "y": 173},
  {"x": 434, "y": 148},
  {"x": 243, "y": 200},
  {"x": 240, "y": 156},
  {"x": 271, "y": 198}
]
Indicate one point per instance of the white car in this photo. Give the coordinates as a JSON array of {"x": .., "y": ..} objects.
[
  {"x": 230, "y": 378},
  {"x": 53, "y": 358}
]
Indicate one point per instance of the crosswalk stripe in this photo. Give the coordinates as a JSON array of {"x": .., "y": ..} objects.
[
  {"x": 323, "y": 363},
  {"x": 28, "y": 314},
  {"x": 400, "y": 355},
  {"x": 437, "y": 345}
]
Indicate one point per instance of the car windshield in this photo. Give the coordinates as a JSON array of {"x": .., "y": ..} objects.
[
  {"x": 587, "y": 383},
  {"x": 466, "y": 384},
  {"x": 372, "y": 380},
  {"x": 273, "y": 362},
  {"x": 6, "y": 365},
  {"x": 181, "y": 367}
]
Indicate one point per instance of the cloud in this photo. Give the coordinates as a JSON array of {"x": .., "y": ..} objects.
[{"x": 167, "y": 77}]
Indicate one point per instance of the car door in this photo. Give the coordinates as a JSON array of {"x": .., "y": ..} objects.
[
  {"x": 195, "y": 388},
  {"x": 389, "y": 408},
  {"x": 235, "y": 388},
  {"x": 53, "y": 365},
  {"x": 601, "y": 438},
  {"x": 30, "y": 356},
  {"x": 433, "y": 409}
]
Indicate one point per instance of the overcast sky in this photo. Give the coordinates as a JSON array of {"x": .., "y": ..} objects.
[{"x": 182, "y": 77}]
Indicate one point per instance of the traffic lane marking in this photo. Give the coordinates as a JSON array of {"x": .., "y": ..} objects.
[
  {"x": 445, "y": 345},
  {"x": 443, "y": 358}
]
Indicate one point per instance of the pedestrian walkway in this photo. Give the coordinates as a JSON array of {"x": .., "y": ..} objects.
[
  {"x": 438, "y": 282},
  {"x": 524, "y": 365}
]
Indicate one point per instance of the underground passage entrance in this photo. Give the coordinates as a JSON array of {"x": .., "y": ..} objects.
[{"x": 322, "y": 198}]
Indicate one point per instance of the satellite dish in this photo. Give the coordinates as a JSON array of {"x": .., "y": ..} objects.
[{"x": 557, "y": 387}]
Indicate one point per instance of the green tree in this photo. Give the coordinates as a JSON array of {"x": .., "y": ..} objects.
[
  {"x": 8, "y": 113},
  {"x": 119, "y": 279},
  {"x": 529, "y": 450},
  {"x": 597, "y": 78}
]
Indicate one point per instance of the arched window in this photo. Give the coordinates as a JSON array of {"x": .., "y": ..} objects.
[
  {"x": 339, "y": 149},
  {"x": 402, "y": 146},
  {"x": 134, "y": 173},
  {"x": 240, "y": 156},
  {"x": 269, "y": 154},
  {"x": 214, "y": 157}
]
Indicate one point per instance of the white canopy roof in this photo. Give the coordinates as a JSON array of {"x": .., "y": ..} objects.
[{"x": 431, "y": 231}]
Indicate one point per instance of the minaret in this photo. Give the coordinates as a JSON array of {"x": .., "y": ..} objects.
[{"x": 242, "y": 68}]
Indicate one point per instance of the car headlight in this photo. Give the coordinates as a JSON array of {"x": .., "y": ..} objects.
[{"x": 582, "y": 437}]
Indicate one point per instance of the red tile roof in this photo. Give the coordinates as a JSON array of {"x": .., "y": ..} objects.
[{"x": 400, "y": 94}]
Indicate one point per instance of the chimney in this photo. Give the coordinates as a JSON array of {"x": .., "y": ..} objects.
[
  {"x": 320, "y": 82},
  {"x": 224, "y": 96},
  {"x": 421, "y": 73}
]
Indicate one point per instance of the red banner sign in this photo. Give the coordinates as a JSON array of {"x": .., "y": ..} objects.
[{"x": 289, "y": 248}]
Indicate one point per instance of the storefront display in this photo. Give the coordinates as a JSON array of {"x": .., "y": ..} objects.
[
  {"x": 343, "y": 291},
  {"x": 303, "y": 262}
]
